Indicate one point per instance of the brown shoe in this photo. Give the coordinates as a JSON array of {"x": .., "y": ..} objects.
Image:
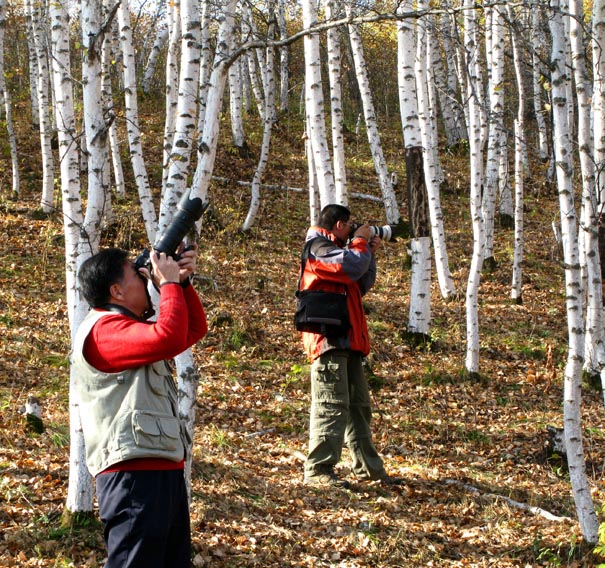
[{"x": 326, "y": 478}]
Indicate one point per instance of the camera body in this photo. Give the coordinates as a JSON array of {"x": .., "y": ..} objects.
[
  {"x": 383, "y": 232},
  {"x": 188, "y": 212}
]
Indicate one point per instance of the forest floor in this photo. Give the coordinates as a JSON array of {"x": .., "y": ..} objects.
[{"x": 473, "y": 453}]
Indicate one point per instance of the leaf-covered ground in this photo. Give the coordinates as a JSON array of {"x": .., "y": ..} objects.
[{"x": 472, "y": 452}]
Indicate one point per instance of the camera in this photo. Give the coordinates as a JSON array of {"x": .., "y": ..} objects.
[
  {"x": 384, "y": 232},
  {"x": 188, "y": 212}
]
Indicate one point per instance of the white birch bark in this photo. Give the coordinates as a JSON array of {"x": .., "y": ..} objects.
[
  {"x": 172, "y": 84},
  {"x": 314, "y": 197},
  {"x": 420, "y": 245},
  {"x": 495, "y": 47},
  {"x": 476, "y": 181},
  {"x": 538, "y": 73},
  {"x": 594, "y": 349},
  {"x": 38, "y": 13},
  {"x": 589, "y": 523},
  {"x": 270, "y": 117},
  {"x": 431, "y": 172},
  {"x": 205, "y": 64},
  {"x": 107, "y": 94},
  {"x": 598, "y": 99},
  {"x": 520, "y": 166},
  {"x": 235, "y": 105},
  {"x": 446, "y": 82},
  {"x": 186, "y": 111},
  {"x": 80, "y": 483},
  {"x": 187, "y": 373},
  {"x": 380, "y": 165},
  {"x": 314, "y": 109},
  {"x": 419, "y": 319},
  {"x": 132, "y": 121},
  {"x": 33, "y": 65},
  {"x": 284, "y": 57},
  {"x": 160, "y": 41},
  {"x": 249, "y": 34},
  {"x": 333, "y": 11},
  {"x": 431, "y": 84},
  {"x": 6, "y": 103},
  {"x": 517, "y": 279}
]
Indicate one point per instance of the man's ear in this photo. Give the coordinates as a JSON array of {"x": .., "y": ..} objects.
[{"x": 115, "y": 291}]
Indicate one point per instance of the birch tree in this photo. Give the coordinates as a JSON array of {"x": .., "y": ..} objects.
[
  {"x": 598, "y": 99},
  {"x": 284, "y": 57},
  {"x": 38, "y": 18},
  {"x": 519, "y": 176},
  {"x": 588, "y": 236},
  {"x": 133, "y": 128},
  {"x": 172, "y": 85},
  {"x": 589, "y": 523},
  {"x": 80, "y": 483},
  {"x": 150, "y": 68},
  {"x": 186, "y": 111},
  {"x": 5, "y": 102},
  {"x": 380, "y": 165},
  {"x": 336, "y": 104},
  {"x": 269, "y": 114},
  {"x": 235, "y": 106},
  {"x": 476, "y": 182},
  {"x": 314, "y": 109},
  {"x": 431, "y": 177},
  {"x": 420, "y": 286},
  {"x": 205, "y": 64},
  {"x": 495, "y": 47}
]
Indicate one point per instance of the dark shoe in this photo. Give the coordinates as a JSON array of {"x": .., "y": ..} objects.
[
  {"x": 326, "y": 478},
  {"x": 390, "y": 481}
]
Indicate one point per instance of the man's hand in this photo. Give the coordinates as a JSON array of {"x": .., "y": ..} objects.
[
  {"x": 188, "y": 262},
  {"x": 375, "y": 243},
  {"x": 165, "y": 268},
  {"x": 363, "y": 231}
]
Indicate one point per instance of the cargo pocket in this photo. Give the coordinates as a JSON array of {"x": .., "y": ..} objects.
[
  {"x": 156, "y": 432},
  {"x": 329, "y": 383},
  {"x": 159, "y": 379}
]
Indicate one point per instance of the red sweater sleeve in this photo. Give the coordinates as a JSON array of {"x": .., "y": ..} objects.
[{"x": 117, "y": 342}]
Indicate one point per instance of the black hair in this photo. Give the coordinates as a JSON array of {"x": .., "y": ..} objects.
[
  {"x": 331, "y": 214},
  {"x": 99, "y": 272}
]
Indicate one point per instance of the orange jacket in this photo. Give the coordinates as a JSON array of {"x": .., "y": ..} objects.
[{"x": 333, "y": 267}]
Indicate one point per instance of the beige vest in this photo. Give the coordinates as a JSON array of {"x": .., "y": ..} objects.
[{"x": 126, "y": 415}]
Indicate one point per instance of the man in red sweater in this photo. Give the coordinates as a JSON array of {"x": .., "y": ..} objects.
[{"x": 135, "y": 442}]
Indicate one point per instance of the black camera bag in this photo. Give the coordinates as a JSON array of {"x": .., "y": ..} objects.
[{"x": 320, "y": 312}]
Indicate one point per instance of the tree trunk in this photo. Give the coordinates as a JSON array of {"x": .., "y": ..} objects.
[
  {"x": 333, "y": 11},
  {"x": 38, "y": 13},
  {"x": 495, "y": 47},
  {"x": 269, "y": 114},
  {"x": 132, "y": 121},
  {"x": 6, "y": 103},
  {"x": 476, "y": 181},
  {"x": 186, "y": 112},
  {"x": 284, "y": 73},
  {"x": 380, "y": 165},
  {"x": 314, "y": 108},
  {"x": 589, "y": 523},
  {"x": 160, "y": 41},
  {"x": 428, "y": 169}
]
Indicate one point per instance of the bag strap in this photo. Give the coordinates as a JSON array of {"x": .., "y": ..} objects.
[
  {"x": 305, "y": 256},
  {"x": 303, "y": 259}
]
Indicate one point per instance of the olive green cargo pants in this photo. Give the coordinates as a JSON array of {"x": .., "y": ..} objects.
[{"x": 341, "y": 412}]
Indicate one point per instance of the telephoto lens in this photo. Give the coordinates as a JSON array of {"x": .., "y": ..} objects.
[{"x": 187, "y": 214}]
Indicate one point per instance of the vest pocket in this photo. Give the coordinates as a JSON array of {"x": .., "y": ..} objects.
[{"x": 156, "y": 431}]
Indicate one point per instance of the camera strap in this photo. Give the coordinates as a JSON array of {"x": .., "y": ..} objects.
[
  {"x": 305, "y": 256},
  {"x": 126, "y": 312}
]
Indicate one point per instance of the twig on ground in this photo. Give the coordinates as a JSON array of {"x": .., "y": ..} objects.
[{"x": 512, "y": 502}]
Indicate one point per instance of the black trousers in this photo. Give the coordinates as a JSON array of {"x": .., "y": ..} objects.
[{"x": 146, "y": 517}]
